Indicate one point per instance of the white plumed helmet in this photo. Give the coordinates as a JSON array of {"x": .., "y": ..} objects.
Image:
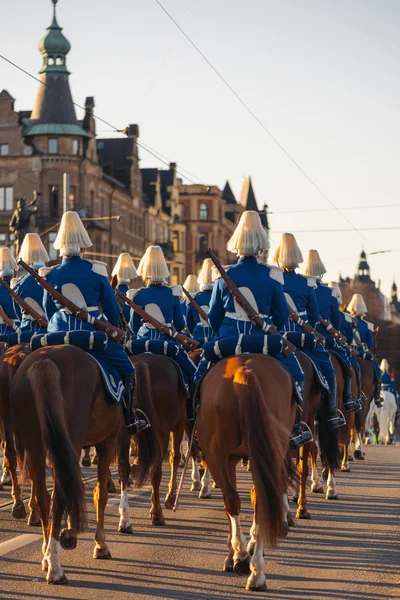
[
  {"x": 72, "y": 236},
  {"x": 357, "y": 305},
  {"x": 152, "y": 265},
  {"x": 8, "y": 264},
  {"x": 336, "y": 293},
  {"x": 205, "y": 278},
  {"x": 33, "y": 252},
  {"x": 313, "y": 267},
  {"x": 124, "y": 268},
  {"x": 288, "y": 254},
  {"x": 384, "y": 365},
  {"x": 249, "y": 237},
  {"x": 191, "y": 284}
]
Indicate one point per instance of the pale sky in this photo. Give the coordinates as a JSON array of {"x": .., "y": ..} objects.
[{"x": 322, "y": 75}]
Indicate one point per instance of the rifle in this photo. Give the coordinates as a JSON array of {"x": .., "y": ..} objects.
[
  {"x": 196, "y": 306},
  {"x": 114, "y": 333},
  {"x": 186, "y": 342},
  {"x": 254, "y": 317},
  {"x": 306, "y": 327},
  {"x": 340, "y": 339},
  {"x": 24, "y": 305},
  {"x": 9, "y": 322}
]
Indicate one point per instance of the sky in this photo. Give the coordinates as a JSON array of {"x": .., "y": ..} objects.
[{"x": 321, "y": 76}]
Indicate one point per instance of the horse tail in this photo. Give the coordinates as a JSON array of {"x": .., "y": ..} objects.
[
  {"x": 328, "y": 439},
  {"x": 148, "y": 444},
  {"x": 265, "y": 454},
  {"x": 45, "y": 381}
]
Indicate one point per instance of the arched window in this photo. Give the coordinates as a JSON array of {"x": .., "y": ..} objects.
[
  {"x": 50, "y": 61},
  {"x": 203, "y": 244},
  {"x": 203, "y": 212},
  {"x": 59, "y": 60}
]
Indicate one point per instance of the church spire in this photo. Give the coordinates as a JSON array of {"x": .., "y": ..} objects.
[{"x": 363, "y": 269}]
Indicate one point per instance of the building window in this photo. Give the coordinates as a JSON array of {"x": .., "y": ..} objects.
[
  {"x": 54, "y": 199},
  {"x": 91, "y": 206},
  {"x": 203, "y": 212},
  {"x": 59, "y": 60},
  {"x": 75, "y": 147},
  {"x": 3, "y": 239},
  {"x": 175, "y": 241},
  {"x": 6, "y": 198},
  {"x": 203, "y": 243},
  {"x": 53, "y": 253},
  {"x": 52, "y": 146},
  {"x": 3, "y": 149}
]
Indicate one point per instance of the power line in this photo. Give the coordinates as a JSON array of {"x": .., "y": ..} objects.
[
  {"x": 313, "y": 210},
  {"x": 146, "y": 149},
  {"x": 340, "y": 230},
  {"x": 250, "y": 111}
]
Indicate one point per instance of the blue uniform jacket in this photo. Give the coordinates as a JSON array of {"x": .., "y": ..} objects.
[
  {"x": 28, "y": 289},
  {"x": 267, "y": 292},
  {"x": 388, "y": 384},
  {"x": 365, "y": 333},
  {"x": 303, "y": 296},
  {"x": 345, "y": 328},
  {"x": 200, "y": 332},
  {"x": 7, "y": 304},
  {"x": 328, "y": 306},
  {"x": 169, "y": 305}
]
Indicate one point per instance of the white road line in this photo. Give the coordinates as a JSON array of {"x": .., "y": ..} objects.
[{"x": 18, "y": 542}]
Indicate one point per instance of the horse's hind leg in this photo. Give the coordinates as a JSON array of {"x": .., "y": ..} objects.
[
  {"x": 10, "y": 463},
  {"x": 100, "y": 496},
  {"x": 34, "y": 514},
  {"x": 55, "y": 572},
  {"x": 205, "y": 491},
  {"x": 256, "y": 581},
  {"x": 316, "y": 486},
  {"x": 124, "y": 468},
  {"x": 331, "y": 490},
  {"x": 174, "y": 459},
  {"x": 302, "y": 511},
  {"x": 156, "y": 513}
]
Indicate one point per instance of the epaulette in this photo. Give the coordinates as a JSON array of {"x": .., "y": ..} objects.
[
  {"x": 311, "y": 281},
  {"x": 216, "y": 274},
  {"x": 98, "y": 267},
  {"x": 177, "y": 290},
  {"x": 44, "y": 271},
  {"x": 371, "y": 326},
  {"x": 348, "y": 317},
  {"x": 276, "y": 273},
  {"x": 15, "y": 281},
  {"x": 132, "y": 293}
]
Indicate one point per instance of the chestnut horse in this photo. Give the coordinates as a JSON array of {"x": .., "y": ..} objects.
[
  {"x": 247, "y": 411},
  {"x": 368, "y": 386},
  {"x": 169, "y": 402},
  {"x": 59, "y": 405}
]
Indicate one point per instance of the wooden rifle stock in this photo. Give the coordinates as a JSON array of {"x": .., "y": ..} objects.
[
  {"x": 254, "y": 317},
  {"x": 9, "y": 322},
  {"x": 306, "y": 327},
  {"x": 340, "y": 339},
  {"x": 114, "y": 333},
  {"x": 186, "y": 342},
  {"x": 24, "y": 305},
  {"x": 196, "y": 306}
]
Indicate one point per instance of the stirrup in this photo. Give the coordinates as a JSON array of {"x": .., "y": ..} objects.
[
  {"x": 139, "y": 425},
  {"x": 337, "y": 421},
  {"x": 378, "y": 402},
  {"x": 305, "y": 437},
  {"x": 352, "y": 404}
]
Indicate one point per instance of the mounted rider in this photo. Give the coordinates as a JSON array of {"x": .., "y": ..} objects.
[
  {"x": 85, "y": 283},
  {"x": 197, "y": 326},
  {"x": 193, "y": 288},
  {"x": 125, "y": 271},
  {"x": 388, "y": 384},
  {"x": 8, "y": 268},
  {"x": 329, "y": 310},
  {"x": 262, "y": 287},
  {"x": 301, "y": 290},
  {"x": 35, "y": 255}
]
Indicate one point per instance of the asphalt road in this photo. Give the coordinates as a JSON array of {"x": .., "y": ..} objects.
[{"x": 350, "y": 549}]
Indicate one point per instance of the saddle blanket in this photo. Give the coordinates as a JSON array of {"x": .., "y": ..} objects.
[
  {"x": 303, "y": 341},
  {"x": 243, "y": 344},
  {"x": 94, "y": 343},
  {"x": 17, "y": 337}
]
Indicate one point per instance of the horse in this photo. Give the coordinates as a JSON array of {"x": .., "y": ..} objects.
[
  {"x": 59, "y": 405},
  {"x": 169, "y": 402},
  {"x": 9, "y": 363},
  {"x": 368, "y": 386},
  {"x": 385, "y": 417},
  {"x": 247, "y": 410}
]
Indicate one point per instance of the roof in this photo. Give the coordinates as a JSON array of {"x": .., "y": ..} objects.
[
  {"x": 4, "y": 95},
  {"x": 247, "y": 197},
  {"x": 228, "y": 195},
  {"x": 114, "y": 155},
  {"x": 149, "y": 179},
  {"x": 37, "y": 128}
]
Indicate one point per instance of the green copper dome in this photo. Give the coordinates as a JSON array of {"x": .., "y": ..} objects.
[{"x": 54, "y": 44}]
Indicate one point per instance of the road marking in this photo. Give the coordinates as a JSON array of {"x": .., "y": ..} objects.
[{"x": 18, "y": 542}]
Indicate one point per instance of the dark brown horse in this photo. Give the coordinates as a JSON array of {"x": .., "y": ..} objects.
[
  {"x": 368, "y": 386},
  {"x": 247, "y": 411},
  {"x": 347, "y": 431},
  {"x": 169, "y": 402},
  {"x": 59, "y": 406}
]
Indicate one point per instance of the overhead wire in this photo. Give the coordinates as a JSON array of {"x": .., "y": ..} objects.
[{"x": 258, "y": 120}]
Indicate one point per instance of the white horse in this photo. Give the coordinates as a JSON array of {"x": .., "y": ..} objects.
[{"x": 387, "y": 416}]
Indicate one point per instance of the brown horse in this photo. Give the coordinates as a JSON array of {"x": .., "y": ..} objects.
[
  {"x": 9, "y": 363},
  {"x": 169, "y": 401},
  {"x": 59, "y": 405},
  {"x": 247, "y": 411},
  {"x": 347, "y": 431},
  {"x": 368, "y": 386}
]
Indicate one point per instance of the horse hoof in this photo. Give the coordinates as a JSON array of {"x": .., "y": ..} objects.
[
  {"x": 95, "y": 460},
  {"x": 302, "y": 513},
  {"x": 205, "y": 495},
  {"x": 350, "y": 459},
  {"x": 127, "y": 530},
  {"x": 242, "y": 566},
  {"x": 332, "y": 496},
  {"x": 85, "y": 462},
  {"x": 357, "y": 454},
  {"x": 170, "y": 501},
  {"x": 325, "y": 473},
  {"x": 290, "y": 521},
  {"x": 102, "y": 553},
  {"x": 68, "y": 539},
  {"x": 253, "y": 586},
  {"x": 295, "y": 498},
  {"x": 317, "y": 489},
  {"x": 196, "y": 486},
  {"x": 228, "y": 565},
  {"x": 215, "y": 486},
  {"x": 158, "y": 521},
  {"x": 62, "y": 581},
  {"x": 111, "y": 487},
  {"x": 6, "y": 480},
  {"x": 344, "y": 469},
  {"x": 284, "y": 529},
  {"x": 18, "y": 511},
  {"x": 34, "y": 521}
]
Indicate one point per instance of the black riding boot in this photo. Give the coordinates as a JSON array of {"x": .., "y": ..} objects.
[
  {"x": 133, "y": 424},
  {"x": 190, "y": 409},
  {"x": 377, "y": 394},
  {"x": 351, "y": 404},
  {"x": 335, "y": 417},
  {"x": 299, "y": 436}
]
